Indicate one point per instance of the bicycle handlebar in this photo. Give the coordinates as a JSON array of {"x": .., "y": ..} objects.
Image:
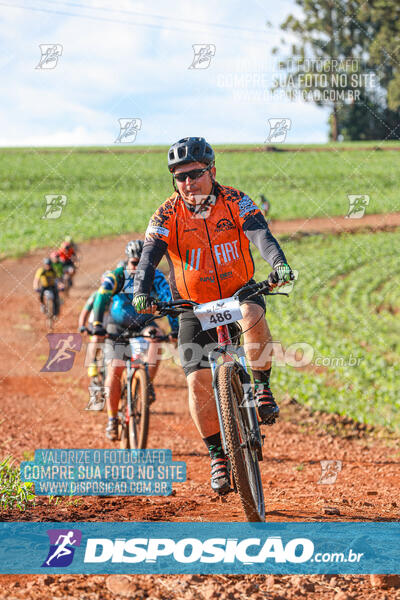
[
  {"x": 179, "y": 306},
  {"x": 126, "y": 335}
]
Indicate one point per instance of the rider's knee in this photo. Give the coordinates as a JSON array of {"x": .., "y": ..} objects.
[{"x": 199, "y": 383}]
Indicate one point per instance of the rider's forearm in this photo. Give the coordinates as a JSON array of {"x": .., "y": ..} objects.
[
  {"x": 257, "y": 231},
  {"x": 83, "y": 318},
  {"x": 153, "y": 251}
]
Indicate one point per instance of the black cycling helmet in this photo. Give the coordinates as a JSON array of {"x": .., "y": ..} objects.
[
  {"x": 134, "y": 248},
  {"x": 47, "y": 262},
  {"x": 190, "y": 149}
]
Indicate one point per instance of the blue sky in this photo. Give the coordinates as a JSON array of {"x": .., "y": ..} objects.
[{"x": 127, "y": 59}]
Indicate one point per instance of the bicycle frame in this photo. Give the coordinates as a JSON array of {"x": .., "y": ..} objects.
[{"x": 229, "y": 354}]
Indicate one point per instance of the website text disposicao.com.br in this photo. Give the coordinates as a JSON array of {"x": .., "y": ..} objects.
[{"x": 212, "y": 551}]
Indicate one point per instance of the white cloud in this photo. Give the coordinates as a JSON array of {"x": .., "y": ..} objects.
[{"x": 110, "y": 70}]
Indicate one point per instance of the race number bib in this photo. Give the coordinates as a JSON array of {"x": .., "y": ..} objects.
[{"x": 218, "y": 312}]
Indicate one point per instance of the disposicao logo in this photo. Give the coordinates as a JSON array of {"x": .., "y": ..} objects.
[
  {"x": 62, "y": 546},
  {"x": 190, "y": 550}
]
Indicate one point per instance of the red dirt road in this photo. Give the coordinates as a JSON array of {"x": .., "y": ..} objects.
[
  {"x": 335, "y": 224},
  {"x": 47, "y": 411}
]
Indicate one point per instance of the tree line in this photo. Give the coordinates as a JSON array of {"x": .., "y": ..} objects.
[{"x": 346, "y": 55}]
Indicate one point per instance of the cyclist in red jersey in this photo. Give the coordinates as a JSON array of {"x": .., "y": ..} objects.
[
  {"x": 67, "y": 253},
  {"x": 205, "y": 230}
]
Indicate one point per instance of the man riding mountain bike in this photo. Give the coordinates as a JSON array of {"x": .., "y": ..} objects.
[
  {"x": 67, "y": 253},
  {"x": 117, "y": 290},
  {"x": 205, "y": 230},
  {"x": 57, "y": 266},
  {"x": 46, "y": 279}
]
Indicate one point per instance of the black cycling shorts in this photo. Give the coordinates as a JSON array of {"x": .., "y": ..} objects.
[{"x": 194, "y": 344}]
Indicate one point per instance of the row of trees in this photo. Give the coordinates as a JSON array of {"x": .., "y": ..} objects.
[{"x": 347, "y": 55}]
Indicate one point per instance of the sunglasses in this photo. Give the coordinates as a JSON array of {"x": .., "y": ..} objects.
[
  {"x": 194, "y": 174},
  {"x": 133, "y": 263}
]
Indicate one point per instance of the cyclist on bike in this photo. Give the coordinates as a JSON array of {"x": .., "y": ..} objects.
[
  {"x": 205, "y": 230},
  {"x": 68, "y": 239},
  {"x": 46, "y": 279},
  {"x": 117, "y": 288},
  {"x": 67, "y": 254},
  {"x": 57, "y": 267}
]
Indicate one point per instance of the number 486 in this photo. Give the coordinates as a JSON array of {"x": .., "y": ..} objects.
[{"x": 221, "y": 317}]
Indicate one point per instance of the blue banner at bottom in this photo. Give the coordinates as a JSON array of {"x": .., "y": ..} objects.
[{"x": 203, "y": 548}]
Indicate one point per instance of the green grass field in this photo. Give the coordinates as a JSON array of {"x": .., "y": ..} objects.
[
  {"x": 346, "y": 306},
  {"x": 112, "y": 192}
]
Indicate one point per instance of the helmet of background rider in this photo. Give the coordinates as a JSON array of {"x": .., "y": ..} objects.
[
  {"x": 188, "y": 150},
  {"x": 134, "y": 248},
  {"x": 47, "y": 262},
  {"x": 55, "y": 257}
]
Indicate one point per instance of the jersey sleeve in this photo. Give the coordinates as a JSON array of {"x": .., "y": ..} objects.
[
  {"x": 160, "y": 224},
  {"x": 90, "y": 301},
  {"x": 158, "y": 235},
  {"x": 250, "y": 218},
  {"x": 163, "y": 293},
  {"x": 111, "y": 285}
]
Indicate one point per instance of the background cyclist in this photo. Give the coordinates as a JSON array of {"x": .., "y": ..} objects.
[
  {"x": 117, "y": 288},
  {"x": 46, "y": 279},
  {"x": 205, "y": 230}
]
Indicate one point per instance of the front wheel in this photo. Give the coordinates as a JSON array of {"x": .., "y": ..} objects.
[
  {"x": 138, "y": 426},
  {"x": 242, "y": 455}
]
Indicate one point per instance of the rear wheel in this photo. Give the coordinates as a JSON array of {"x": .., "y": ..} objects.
[
  {"x": 242, "y": 455},
  {"x": 123, "y": 417},
  {"x": 50, "y": 309}
]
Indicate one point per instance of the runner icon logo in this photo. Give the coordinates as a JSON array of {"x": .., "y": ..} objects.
[
  {"x": 54, "y": 205},
  {"x": 128, "y": 129},
  {"x": 62, "y": 547},
  {"x": 50, "y": 53},
  {"x": 278, "y": 130},
  {"x": 203, "y": 54},
  {"x": 357, "y": 205},
  {"x": 330, "y": 469},
  {"x": 63, "y": 347}
]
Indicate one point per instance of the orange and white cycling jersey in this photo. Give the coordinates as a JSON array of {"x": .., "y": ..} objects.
[{"x": 208, "y": 250}]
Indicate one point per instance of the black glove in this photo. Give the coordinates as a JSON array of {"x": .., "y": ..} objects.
[
  {"x": 82, "y": 329},
  {"x": 173, "y": 335},
  {"x": 99, "y": 330}
]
